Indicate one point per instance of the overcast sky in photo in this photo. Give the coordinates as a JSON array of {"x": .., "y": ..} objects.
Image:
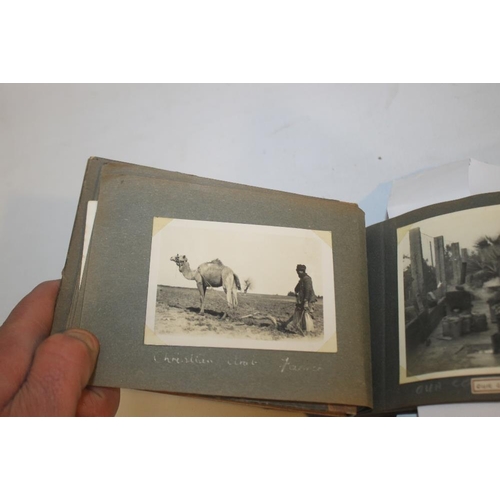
[{"x": 267, "y": 255}]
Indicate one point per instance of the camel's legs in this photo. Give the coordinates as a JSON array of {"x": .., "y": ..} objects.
[
  {"x": 230, "y": 291},
  {"x": 202, "y": 288},
  {"x": 234, "y": 293},
  {"x": 230, "y": 306},
  {"x": 228, "y": 297}
]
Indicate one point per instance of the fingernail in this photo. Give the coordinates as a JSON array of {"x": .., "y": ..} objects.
[{"x": 86, "y": 337}]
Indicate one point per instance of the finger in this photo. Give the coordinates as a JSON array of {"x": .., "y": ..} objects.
[
  {"x": 27, "y": 325},
  {"x": 98, "y": 402},
  {"x": 61, "y": 369}
]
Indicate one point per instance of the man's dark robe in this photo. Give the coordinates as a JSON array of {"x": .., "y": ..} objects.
[{"x": 305, "y": 291}]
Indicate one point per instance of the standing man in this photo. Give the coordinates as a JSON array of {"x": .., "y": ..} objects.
[{"x": 305, "y": 297}]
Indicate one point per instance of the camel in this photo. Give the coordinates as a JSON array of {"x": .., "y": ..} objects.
[{"x": 214, "y": 274}]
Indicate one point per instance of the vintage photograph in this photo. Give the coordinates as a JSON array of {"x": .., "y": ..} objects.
[
  {"x": 449, "y": 295},
  {"x": 216, "y": 284}
]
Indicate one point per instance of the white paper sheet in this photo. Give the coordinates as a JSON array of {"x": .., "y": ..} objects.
[
  {"x": 445, "y": 183},
  {"x": 89, "y": 226}
]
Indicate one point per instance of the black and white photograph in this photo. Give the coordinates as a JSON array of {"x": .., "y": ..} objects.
[
  {"x": 217, "y": 284},
  {"x": 449, "y": 295}
]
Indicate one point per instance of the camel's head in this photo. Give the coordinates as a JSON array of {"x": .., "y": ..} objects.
[{"x": 180, "y": 260}]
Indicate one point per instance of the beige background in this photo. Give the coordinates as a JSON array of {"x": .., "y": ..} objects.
[{"x": 149, "y": 404}]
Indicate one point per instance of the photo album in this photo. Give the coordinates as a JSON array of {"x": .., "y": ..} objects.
[{"x": 219, "y": 290}]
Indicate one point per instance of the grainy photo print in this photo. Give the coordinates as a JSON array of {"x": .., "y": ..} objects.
[
  {"x": 227, "y": 285},
  {"x": 449, "y": 295}
]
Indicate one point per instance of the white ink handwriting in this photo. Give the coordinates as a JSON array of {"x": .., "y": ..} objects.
[
  {"x": 288, "y": 366},
  {"x": 182, "y": 360}
]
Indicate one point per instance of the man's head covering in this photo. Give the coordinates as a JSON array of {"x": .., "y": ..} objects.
[{"x": 301, "y": 267}]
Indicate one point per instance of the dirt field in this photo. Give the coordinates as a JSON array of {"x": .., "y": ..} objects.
[{"x": 177, "y": 312}]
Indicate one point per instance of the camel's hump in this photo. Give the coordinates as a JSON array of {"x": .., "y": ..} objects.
[{"x": 217, "y": 262}]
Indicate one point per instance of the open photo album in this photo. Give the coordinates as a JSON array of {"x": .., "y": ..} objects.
[{"x": 219, "y": 290}]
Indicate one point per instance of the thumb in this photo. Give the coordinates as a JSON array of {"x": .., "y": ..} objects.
[{"x": 61, "y": 369}]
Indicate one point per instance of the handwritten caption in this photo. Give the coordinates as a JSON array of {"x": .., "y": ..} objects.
[
  {"x": 285, "y": 365},
  {"x": 429, "y": 388},
  {"x": 484, "y": 385}
]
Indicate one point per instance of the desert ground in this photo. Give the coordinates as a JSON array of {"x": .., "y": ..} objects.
[{"x": 177, "y": 311}]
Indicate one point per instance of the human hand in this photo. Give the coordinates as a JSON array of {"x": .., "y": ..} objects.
[{"x": 48, "y": 376}]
